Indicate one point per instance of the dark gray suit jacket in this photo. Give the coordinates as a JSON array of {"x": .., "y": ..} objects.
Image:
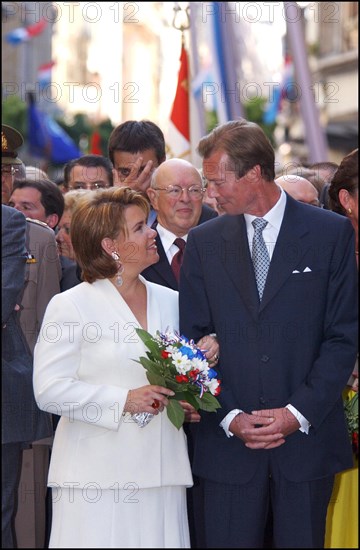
[{"x": 22, "y": 420}]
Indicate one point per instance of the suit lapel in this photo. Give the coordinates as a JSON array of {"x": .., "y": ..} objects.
[
  {"x": 163, "y": 268},
  {"x": 289, "y": 250},
  {"x": 237, "y": 262}
]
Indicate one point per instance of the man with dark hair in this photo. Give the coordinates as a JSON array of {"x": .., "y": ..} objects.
[
  {"x": 136, "y": 148},
  {"x": 39, "y": 199},
  {"x": 88, "y": 172}
]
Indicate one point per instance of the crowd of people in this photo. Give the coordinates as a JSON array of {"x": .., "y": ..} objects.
[{"x": 259, "y": 268}]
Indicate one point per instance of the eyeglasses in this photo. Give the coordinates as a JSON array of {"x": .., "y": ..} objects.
[
  {"x": 9, "y": 169},
  {"x": 175, "y": 191}
]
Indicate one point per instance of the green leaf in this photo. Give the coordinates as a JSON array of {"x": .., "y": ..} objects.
[
  {"x": 208, "y": 402},
  {"x": 148, "y": 341},
  {"x": 190, "y": 398},
  {"x": 175, "y": 413},
  {"x": 147, "y": 363},
  {"x": 156, "y": 379}
]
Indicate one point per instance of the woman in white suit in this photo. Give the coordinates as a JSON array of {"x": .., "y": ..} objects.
[{"x": 114, "y": 484}]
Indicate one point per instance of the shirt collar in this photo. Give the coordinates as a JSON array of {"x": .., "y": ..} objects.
[
  {"x": 274, "y": 217},
  {"x": 167, "y": 238}
]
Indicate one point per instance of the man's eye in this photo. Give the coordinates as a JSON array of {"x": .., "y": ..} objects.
[{"x": 124, "y": 172}]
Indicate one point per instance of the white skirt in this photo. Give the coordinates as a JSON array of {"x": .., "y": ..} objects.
[{"x": 114, "y": 518}]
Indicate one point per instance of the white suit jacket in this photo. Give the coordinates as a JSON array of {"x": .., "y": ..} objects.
[{"x": 84, "y": 365}]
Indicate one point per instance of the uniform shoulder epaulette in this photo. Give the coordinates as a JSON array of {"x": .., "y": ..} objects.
[{"x": 38, "y": 222}]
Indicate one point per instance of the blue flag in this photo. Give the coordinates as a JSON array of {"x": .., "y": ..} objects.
[{"x": 47, "y": 139}]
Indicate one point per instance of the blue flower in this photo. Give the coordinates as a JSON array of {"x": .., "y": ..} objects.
[
  {"x": 211, "y": 373},
  {"x": 187, "y": 351}
]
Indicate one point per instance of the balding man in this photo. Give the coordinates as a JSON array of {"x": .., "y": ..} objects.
[
  {"x": 176, "y": 193},
  {"x": 299, "y": 188}
]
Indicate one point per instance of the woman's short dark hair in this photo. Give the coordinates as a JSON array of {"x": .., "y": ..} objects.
[
  {"x": 245, "y": 144},
  {"x": 346, "y": 177},
  {"x": 97, "y": 215}
]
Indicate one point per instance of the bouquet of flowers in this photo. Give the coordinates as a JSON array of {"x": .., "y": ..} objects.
[
  {"x": 351, "y": 406},
  {"x": 177, "y": 363}
]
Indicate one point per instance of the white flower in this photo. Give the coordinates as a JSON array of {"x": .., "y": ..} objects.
[
  {"x": 200, "y": 364},
  {"x": 181, "y": 362},
  {"x": 212, "y": 385}
]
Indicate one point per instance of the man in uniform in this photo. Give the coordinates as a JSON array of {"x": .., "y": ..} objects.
[{"x": 42, "y": 282}]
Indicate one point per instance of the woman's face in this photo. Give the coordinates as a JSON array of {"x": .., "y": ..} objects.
[
  {"x": 63, "y": 236},
  {"x": 137, "y": 249}
]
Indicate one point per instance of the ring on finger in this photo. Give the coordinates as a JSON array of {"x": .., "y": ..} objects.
[{"x": 155, "y": 404}]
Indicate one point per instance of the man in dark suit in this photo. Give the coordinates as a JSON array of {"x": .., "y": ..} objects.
[
  {"x": 283, "y": 305},
  {"x": 22, "y": 421},
  {"x": 175, "y": 193}
]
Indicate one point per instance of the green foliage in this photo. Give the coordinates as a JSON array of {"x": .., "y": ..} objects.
[
  {"x": 211, "y": 120},
  {"x": 105, "y": 128},
  {"x": 254, "y": 111},
  {"x": 13, "y": 113}
]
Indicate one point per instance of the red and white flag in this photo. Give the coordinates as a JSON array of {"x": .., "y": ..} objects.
[
  {"x": 44, "y": 74},
  {"x": 178, "y": 143}
]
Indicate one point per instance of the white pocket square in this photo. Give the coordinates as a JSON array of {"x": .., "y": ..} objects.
[
  {"x": 306, "y": 270},
  {"x": 296, "y": 271}
]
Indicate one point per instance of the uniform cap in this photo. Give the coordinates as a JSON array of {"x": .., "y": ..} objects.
[{"x": 11, "y": 140}]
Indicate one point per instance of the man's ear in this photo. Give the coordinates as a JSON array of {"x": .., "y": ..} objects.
[
  {"x": 52, "y": 220},
  {"x": 151, "y": 193},
  {"x": 254, "y": 174}
]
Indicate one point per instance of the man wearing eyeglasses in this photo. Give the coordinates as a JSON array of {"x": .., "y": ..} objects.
[{"x": 176, "y": 192}]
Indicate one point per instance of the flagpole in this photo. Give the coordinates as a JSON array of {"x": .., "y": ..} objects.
[
  {"x": 315, "y": 136},
  {"x": 195, "y": 67}
]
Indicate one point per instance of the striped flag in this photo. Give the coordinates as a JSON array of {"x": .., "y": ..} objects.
[
  {"x": 178, "y": 143},
  {"x": 44, "y": 74},
  {"x": 23, "y": 34}
]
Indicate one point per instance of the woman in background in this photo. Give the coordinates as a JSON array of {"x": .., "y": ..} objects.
[{"x": 343, "y": 511}]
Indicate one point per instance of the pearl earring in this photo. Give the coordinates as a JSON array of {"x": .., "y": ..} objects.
[{"x": 349, "y": 211}]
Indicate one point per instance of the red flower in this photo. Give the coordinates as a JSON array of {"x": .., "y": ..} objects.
[
  {"x": 355, "y": 442},
  {"x": 193, "y": 373},
  {"x": 165, "y": 354},
  {"x": 181, "y": 378},
  {"x": 218, "y": 390}
]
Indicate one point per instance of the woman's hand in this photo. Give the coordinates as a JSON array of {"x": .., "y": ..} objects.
[
  {"x": 210, "y": 346},
  {"x": 151, "y": 399}
]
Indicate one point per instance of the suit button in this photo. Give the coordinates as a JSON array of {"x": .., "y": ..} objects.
[
  {"x": 262, "y": 400},
  {"x": 265, "y": 358}
]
